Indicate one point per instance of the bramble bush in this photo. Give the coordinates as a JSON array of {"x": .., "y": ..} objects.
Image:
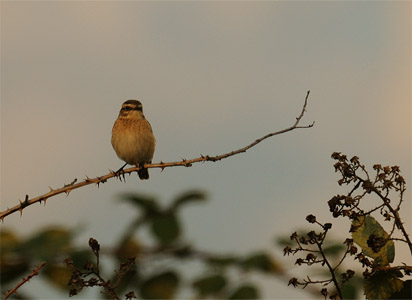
[
  {"x": 155, "y": 270},
  {"x": 370, "y": 245}
]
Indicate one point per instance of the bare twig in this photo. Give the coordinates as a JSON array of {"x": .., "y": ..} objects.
[
  {"x": 24, "y": 280},
  {"x": 162, "y": 165}
]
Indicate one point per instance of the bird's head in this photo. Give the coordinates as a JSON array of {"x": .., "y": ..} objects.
[{"x": 132, "y": 109}]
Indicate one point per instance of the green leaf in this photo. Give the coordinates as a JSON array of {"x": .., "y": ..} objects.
[
  {"x": 8, "y": 242},
  {"x": 188, "y": 197},
  {"x": 130, "y": 281},
  {"x": 58, "y": 276},
  {"x": 260, "y": 261},
  {"x": 352, "y": 288},
  {"x": 166, "y": 228},
  {"x": 13, "y": 262},
  {"x": 210, "y": 285},
  {"x": 223, "y": 261},
  {"x": 335, "y": 249},
  {"x": 382, "y": 284},
  {"x": 11, "y": 271},
  {"x": 48, "y": 243},
  {"x": 405, "y": 292},
  {"x": 349, "y": 291},
  {"x": 146, "y": 203},
  {"x": 161, "y": 286},
  {"x": 283, "y": 241},
  {"x": 246, "y": 291},
  {"x": 80, "y": 257},
  {"x": 367, "y": 227},
  {"x": 130, "y": 248}
]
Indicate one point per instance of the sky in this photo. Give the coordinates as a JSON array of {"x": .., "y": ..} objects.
[{"x": 212, "y": 77}]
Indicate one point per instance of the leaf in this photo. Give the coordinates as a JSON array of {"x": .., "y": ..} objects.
[
  {"x": 8, "y": 242},
  {"x": 283, "y": 241},
  {"x": 209, "y": 285},
  {"x": 349, "y": 291},
  {"x": 48, "y": 243},
  {"x": 223, "y": 261},
  {"x": 13, "y": 262},
  {"x": 188, "y": 197},
  {"x": 405, "y": 292},
  {"x": 367, "y": 227},
  {"x": 246, "y": 291},
  {"x": 166, "y": 228},
  {"x": 260, "y": 261},
  {"x": 9, "y": 271},
  {"x": 146, "y": 203},
  {"x": 335, "y": 249},
  {"x": 352, "y": 288},
  {"x": 58, "y": 276},
  {"x": 129, "y": 281},
  {"x": 382, "y": 284},
  {"x": 130, "y": 248},
  {"x": 80, "y": 257},
  {"x": 161, "y": 286}
]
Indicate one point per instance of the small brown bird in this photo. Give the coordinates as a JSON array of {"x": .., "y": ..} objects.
[{"x": 132, "y": 137}]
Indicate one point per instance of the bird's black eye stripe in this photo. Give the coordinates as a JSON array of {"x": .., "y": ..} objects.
[{"x": 127, "y": 108}]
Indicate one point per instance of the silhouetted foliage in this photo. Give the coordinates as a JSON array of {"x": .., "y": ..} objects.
[
  {"x": 155, "y": 269},
  {"x": 377, "y": 247}
]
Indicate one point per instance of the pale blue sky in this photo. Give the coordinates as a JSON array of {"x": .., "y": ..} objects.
[{"x": 213, "y": 77}]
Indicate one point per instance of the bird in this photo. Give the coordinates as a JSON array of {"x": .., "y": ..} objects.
[{"x": 132, "y": 137}]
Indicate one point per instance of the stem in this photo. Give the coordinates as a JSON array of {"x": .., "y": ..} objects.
[{"x": 331, "y": 270}]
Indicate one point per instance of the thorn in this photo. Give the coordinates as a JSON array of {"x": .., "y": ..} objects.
[
  {"x": 68, "y": 192},
  {"x": 21, "y": 211},
  {"x": 45, "y": 199},
  {"x": 51, "y": 190},
  {"x": 2, "y": 219},
  {"x": 71, "y": 183},
  {"x": 88, "y": 179}
]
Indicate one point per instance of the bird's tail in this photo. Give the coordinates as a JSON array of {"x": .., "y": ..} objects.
[{"x": 143, "y": 173}]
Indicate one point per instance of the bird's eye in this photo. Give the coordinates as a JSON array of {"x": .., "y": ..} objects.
[{"x": 127, "y": 108}]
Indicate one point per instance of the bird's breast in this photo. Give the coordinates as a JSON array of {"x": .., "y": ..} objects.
[{"x": 133, "y": 141}]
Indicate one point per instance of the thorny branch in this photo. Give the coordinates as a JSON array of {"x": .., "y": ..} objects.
[
  {"x": 24, "y": 280},
  {"x": 67, "y": 188}
]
